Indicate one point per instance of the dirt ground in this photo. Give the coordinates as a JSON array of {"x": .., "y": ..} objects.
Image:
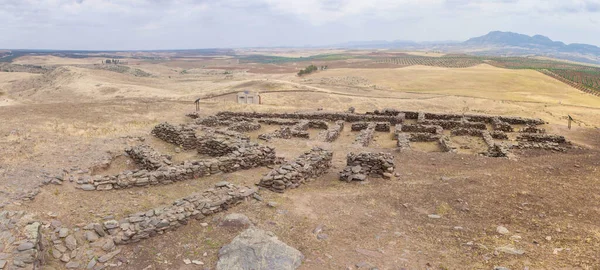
[{"x": 550, "y": 202}]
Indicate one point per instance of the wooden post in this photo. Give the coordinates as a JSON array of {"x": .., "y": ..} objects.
[
  {"x": 197, "y": 104},
  {"x": 570, "y": 119}
]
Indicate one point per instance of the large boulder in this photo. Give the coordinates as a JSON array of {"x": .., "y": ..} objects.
[{"x": 255, "y": 249}]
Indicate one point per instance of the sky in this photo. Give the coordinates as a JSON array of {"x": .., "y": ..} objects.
[{"x": 192, "y": 24}]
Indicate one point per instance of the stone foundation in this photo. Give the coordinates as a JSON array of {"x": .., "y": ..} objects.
[
  {"x": 362, "y": 165},
  {"x": 147, "y": 158},
  {"x": 20, "y": 241},
  {"x": 423, "y": 137},
  {"x": 157, "y": 221},
  {"x": 327, "y": 116},
  {"x": 419, "y": 128},
  {"x": 531, "y": 137},
  {"x": 311, "y": 164},
  {"x": 334, "y": 131},
  {"x": 532, "y": 129},
  {"x": 447, "y": 145},
  {"x": 365, "y": 136},
  {"x": 245, "y": 156},
  {"x": 498, "y": 124},
  {"x": 181, "y": 135}
]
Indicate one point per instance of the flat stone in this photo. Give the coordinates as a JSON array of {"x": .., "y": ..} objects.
[
  {"x": 502, "y": 230},
  {"x": 510, "y": 250},
  {"x": 196, "y": 262},
  {"x": 2, "y": 264},
  {"x": 25, "y": 246},
  {"x": 91, "y": 264},
  {"x": 187, "y": 261},
  {"x": 109, "y": 245},
  {"x": 63, "y": 232},
  {"x": 222, "y": 184},
  {"x": 235, "y": 220},
  {"x": 72, "y": 265},
  {"x": 106, "y": 257},
  {"x": 65, "y": 258},
  {"x": 91, "y": 236},
  {"x": 71, "y": 242},
  {"x": 60, "y": 248},
  {"x": 259, "y": 250},
  {"x": 87, "y": 187},
  {"x": 434, "y": 216}
]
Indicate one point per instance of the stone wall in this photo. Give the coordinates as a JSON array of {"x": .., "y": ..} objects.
[
  {"x": 365, "y": 136},
  {"x": 244, "y": 126},
  {"x": 146, "y": 157},
  {"x": 278, "y": 121},
  {"x": 466, "y": 132},
  {"x": 451, "y": 124},
  {"x": 359, "y": 126},
  {"x": 219, "y": 146},
  {"x": 181, "y": 135},
  {"x": 318, "y": 124},
  {"x": 333, "y": 132},
  {"x": 250, "y": 155},
  {"x": 421, "y": 128},
  {"x": 311, "y": 164},
  {"x": 423, "y": 137},
  {"x": 157, "y": 221},
  {"x": 532, "y": 129},
  {"x": 531, "y": 137},
  {"x": 20, "y": 241},
  {"x": 455, "y": 117},
  {"x": 327, "y": 116},
  {"x": 500, "y": 135},
  {"x": 402, "y": 141},
  {"x": 498, "y": 124},
  {"x": 447, "y": 145},
  {"x": 362, "y": 165}
]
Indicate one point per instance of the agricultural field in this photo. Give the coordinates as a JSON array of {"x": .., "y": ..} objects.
[{"x": 583, "y": 77}]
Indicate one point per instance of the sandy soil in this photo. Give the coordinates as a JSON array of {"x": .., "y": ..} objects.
[{"x": 76, "y": 117}]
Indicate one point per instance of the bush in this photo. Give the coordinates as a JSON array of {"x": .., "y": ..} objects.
[{"x": 308, "y": 70}]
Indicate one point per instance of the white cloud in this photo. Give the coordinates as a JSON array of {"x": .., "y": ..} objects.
[{"x": 149, "y": 24}]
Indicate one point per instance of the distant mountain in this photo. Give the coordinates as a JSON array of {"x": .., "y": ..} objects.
[
  {"x": 495, "y": 43},
  {"x": 537, "y": 42}
]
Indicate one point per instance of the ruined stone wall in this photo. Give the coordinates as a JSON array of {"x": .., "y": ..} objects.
[
  {"x": 423, "y": 137},
  {"x": 362, "y": 165},
  {"x": 402, "y": 141},
  {"x": 359, "y": 126},
  {"x": 498, "y": 124},
  {"x": 318, "y": 124},
  {"x": 334, "y": 131},
  {"x": 500, "y": 135},
  {"x": 447, "y": 145},
  {"x": 421, "y": 128},
  {"x": 146, "y": 157},
  {"x": 20, "y": 241},
  {"x": 466, "y": 132},
  {"x": 531, "y": 137},
  {"x": 451, "y": 124},
  {"x": 181, "y": 135},
  {"x": 532, "y": 129},
  {"x": 157, "y": 221},
  {"x": 218, "y": 146},
  {"x": 250, "y": 156},
  {"x": 278, "y": 121},
  {"x": 513, "y": 120},
  {"x": 311, "y": 164},
  {"x": 328, "y": 116},
  {"x": 365, "y": 136}
]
